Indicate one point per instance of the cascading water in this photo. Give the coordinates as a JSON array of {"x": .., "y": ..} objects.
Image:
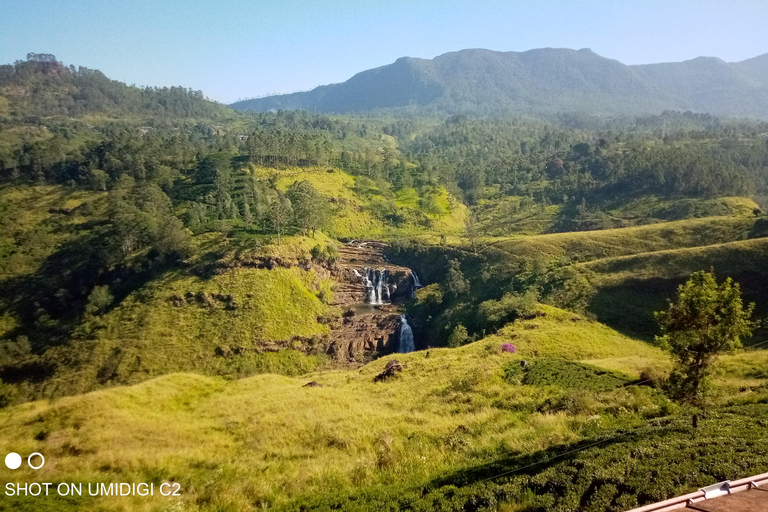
[
  {"x": 416, "y": 283},
  {"x": 405, "y": 342},
  {"x": 376, "y": 286}
]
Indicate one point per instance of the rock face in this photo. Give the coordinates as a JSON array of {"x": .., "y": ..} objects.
[
  {"x": 363, "y": 335},
  {"x": 372, "y": 330},
  {"x": 363, "y": 332},
  {"x": 354, "y": 258},
  {"x": 390, "y": 370}
]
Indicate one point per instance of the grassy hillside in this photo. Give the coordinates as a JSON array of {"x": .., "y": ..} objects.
[
  {"x": 266, "y": 441},
  {"x": 212, "y": 312},
  {"x": 629, "y": 288},
  {"x": 362, "y": 208},
  {"x": 513, "y": 215},
  {"x": 216, "y": 326},
  {"x": 609, "y": 243}
]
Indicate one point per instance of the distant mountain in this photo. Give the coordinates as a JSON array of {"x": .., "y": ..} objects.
[{"x": 541, "y": 81}]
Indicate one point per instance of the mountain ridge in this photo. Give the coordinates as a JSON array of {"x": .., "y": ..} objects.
[{"x": 539, "y": 81}]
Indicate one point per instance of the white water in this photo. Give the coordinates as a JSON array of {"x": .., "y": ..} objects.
[
  {"x": 416, "y": 282},
  {"x": 405, "y": 342},
  {"x": 376, "y": 285}
]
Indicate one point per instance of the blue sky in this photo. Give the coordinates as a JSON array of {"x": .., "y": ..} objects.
[{"x": 234, "y": 49}]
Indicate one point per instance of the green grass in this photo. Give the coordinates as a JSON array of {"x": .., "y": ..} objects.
[
  {"x": 355, "y": 208},
  {"x": 266, "y": 441},
  {"x": 615, "y": 471},
  {"x": 564, "y": 374},
  {"x": 34, "y": 222},
  {"x": 626, "y": 290},
  {"x": 506, "y": 216},
  {"x": 151, "y": 332},
  {"x": 594, "y": 245}
]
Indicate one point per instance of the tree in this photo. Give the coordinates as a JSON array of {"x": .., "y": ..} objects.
[
  {"x": 308, "y": 205},
  {"x": 704, "y": 321},
  {"x": 99, "y": 300},
  {"x": 459, "y": 336},
  {"x": 98, "y": 180},
  {"x": 456, "y": 283},
  {"x": 280, "y": 213},
  {"x": 472, "y": 232}
]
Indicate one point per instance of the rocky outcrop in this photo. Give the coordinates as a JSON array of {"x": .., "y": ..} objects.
[
  {"x": 362, "y": 337},
  {"x": 354, "y": 258},
  {"x": 392, "y": 368},
  {"x": 362, "y": 333}
]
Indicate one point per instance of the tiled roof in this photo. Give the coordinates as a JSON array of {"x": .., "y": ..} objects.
[{"x": 745, "y": 495}]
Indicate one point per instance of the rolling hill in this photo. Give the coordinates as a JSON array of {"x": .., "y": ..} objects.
[{"x": 540, "y": 81}]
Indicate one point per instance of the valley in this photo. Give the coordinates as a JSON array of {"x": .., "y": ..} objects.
[{"x": 416, "y": 307}]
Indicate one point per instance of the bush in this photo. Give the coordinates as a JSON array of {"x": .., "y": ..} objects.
[
  {"x": 458, "y": 337},
  {"x": 324, "y": 253},
  {"x": 564, "y": 374},
  {"x": 494, "y": 314},
  {"x": 99, "y": 300}
]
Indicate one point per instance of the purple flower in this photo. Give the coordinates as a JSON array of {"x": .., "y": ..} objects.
[{"x": 508, "y": 347}]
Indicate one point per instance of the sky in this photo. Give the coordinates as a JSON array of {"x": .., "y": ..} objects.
[{"x": 235, "y": 49}]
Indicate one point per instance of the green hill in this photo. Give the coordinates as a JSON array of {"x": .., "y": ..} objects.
[
  {"x": 609, "y": 243},
  {"x": 629, "y": 288},
  {"x": 269, "y": 441},
  {"x": 43, "y": 87},
  {"x": 363, "y": 208}
]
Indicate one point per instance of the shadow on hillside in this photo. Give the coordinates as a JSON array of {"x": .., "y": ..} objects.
[
  {"x": 628, "y": 308},
  {"x": 50, "y": 303},
  {"x": 515, "y": 464}
]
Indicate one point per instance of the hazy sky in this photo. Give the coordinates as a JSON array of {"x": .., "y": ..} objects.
[{"x": 234, "y": 49}]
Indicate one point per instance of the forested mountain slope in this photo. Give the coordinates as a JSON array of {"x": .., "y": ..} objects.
[
  {"x": 41, "y": 86},
  {"x": 542, "y": 81}
]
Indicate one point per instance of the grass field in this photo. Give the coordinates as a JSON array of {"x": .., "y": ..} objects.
[
  {"x": 266, "y": 441},
  {"x": 177, "y": 323},
  {"x": 356, "y": 202},
  {"x": 611, "y": 243},
  {"x": 629, "y": 288},
  {"x": 511, "y": 215}
]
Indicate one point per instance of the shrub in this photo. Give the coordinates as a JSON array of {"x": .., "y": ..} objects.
[
  {"x": 99, "y": 300},
  {"x": 564, "y": 374},
  {"x": 458, "y": 337},
  {"x": 495, "y": 313}
]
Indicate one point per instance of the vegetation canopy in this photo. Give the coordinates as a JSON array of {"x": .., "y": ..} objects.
[{"x": 705, "y": 320}]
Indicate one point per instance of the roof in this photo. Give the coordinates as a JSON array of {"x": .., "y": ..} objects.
[{"x": 745, "y": 495}]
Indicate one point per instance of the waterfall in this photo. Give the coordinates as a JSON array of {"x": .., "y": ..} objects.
[
  {"x": 376, "y": 286},
  {"x": 416, "y": 283},
  {"x": 405, "y": 342}
]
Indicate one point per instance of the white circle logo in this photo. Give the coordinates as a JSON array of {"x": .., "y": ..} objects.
[
  {"x": 13, "y": 460},
  {"x": 42, "y": 460}
]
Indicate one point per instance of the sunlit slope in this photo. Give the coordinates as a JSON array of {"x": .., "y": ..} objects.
[
  {"x": 362, "y": 208},
  {"x": 268, "y": 440},
  {"x": 517, "y": 216},
  {"x": 610, "y": 243},
  {"x": 211, "y": 325}
]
